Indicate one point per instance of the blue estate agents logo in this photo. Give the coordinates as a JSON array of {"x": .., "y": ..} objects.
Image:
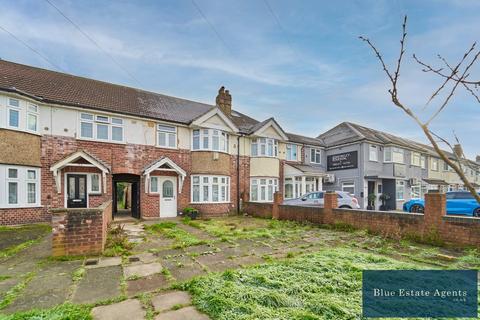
[{"x": 420, "y": 293}]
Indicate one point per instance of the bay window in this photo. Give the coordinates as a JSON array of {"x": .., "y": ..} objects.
[
  {"x": 315, "y": 156},
  {"x": 394, "y": 154},
  {"x": 210, "y": 139},
  {"x": 434, "y": 164},
  {"x": 166, "y": 136},
  {"x": 265, "y": 147},
  {"x": 262, "y": 189},
  {"x": 292, "y": 154},
  {"x": 103, "y": 128},
  {"x": 210, "y": 189},
  {"x": 22, "y": 187}
]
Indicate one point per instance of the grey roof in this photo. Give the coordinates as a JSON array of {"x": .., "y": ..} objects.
[
  {"x": 365, "y": 133},
  {"x": 304, "y": 140}
]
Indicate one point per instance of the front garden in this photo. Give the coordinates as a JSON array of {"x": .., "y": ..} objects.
[{"x": 233, "y": 268}]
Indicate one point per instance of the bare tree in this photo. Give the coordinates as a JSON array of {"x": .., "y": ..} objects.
[{"x": 453, "y": 76}]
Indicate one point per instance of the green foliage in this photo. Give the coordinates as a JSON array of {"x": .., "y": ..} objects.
[
  {"x": 38, "y": 230},
  {"x": 343, "y": 227},
  {"x": 117, "y": 242},
  {"x": 171, "y": 230},
  {"x": 66, "y": 311},
  {"x": 324, "y": 285},
  {"x": 2, "y": 278},
  {"x": 78, "y": 274}
]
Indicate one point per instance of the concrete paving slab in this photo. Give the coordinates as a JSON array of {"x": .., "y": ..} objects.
[
  {"x": 222, "y": 266},
  {"x": 145, "y": 257},
  {"x": 166, "y": 301},
  {"x": 99, "y": 284},
  {"x": 189, "y": 313},
  {"x": 187, "y": 272},
  {"x": 126, "y": 310},
  {"x": 50, "y": 287},
  {"x": 142, "y": 270},
  {"x": 147, "y": 284},
  {"x": 106, "y": 262}
]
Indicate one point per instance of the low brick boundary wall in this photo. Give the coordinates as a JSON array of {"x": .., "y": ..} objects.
[
  {"x": 81, "y": 231},
  {"x": 434, "y": 223}
]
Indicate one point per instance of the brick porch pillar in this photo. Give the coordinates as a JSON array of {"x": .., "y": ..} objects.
[
  {"x": 277, "y": 201},
  {"x": 435, "y": 209},
  {"x": 330, "y": 201}
]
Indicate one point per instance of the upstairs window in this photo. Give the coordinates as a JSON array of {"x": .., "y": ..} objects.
[
  {"x": 166, "y": 136},
  {"x": 32, "y": 118},
  {"x": 102, "y": 128},
  {"x": 292, "y": 152},
  {"x": 373, "y": 153},
  {"x": 416, "y": 159},
  {"x": 210, "y": 139},
  {"x": 423, "y": 162},
  {"x": 13, "y": 113},
  {"x": 434, "y": 164},
  {"x": 445, "y": 166},
  {"x": 394, "y": 154},
  {"x": 265, "y": 147},
  {"x": 315, "y": 156}
]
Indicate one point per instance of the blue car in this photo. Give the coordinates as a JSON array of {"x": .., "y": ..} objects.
[{"x": 458, "y": 203}]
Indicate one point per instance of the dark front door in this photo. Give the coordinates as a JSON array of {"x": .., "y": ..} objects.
[
  {"x": 76, "y": 191},
  {"x": 135, "y": 200}
]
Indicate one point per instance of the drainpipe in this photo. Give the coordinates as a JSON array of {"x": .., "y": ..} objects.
[{"x": 238, "y": 173}]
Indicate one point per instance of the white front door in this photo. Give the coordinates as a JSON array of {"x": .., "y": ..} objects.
[{"x": 168, "y": 196}]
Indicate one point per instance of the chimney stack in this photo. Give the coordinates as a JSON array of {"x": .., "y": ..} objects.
[
  {"x": 458, "y": 150},
  {"x": 478, "y": 159},
  {"x": 224, "y": 101}
]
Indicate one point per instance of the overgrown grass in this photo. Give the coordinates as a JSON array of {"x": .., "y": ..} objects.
[
  {"x": 323, "y": 285},
  {"x": 15, "y": 291},
  {"x": 66, "y": 311},
  {"x": 231, "y": 228},
  {"x": 171, "y": 230},
  {"x": 117, "y": 242}
]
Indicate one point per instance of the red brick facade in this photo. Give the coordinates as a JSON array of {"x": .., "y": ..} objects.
[{"x": 122, "y": 159}]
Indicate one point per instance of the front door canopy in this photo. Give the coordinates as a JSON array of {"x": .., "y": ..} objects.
[
  {"x": 71, "y": 161},
  {"x": 166, "y": 164}
]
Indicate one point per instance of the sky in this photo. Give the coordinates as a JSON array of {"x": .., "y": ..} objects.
[{"x": 298, "y": 61}]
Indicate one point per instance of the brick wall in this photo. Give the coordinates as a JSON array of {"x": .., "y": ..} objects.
[
  {"x": 80, "y": 231},
  {"x": 14, "y": 216},
  {"x": 462, "y": 231}
]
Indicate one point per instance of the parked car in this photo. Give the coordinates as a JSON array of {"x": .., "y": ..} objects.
[
  {"x": 345, "y": 200},
  {"x": 458, "y": 202}
]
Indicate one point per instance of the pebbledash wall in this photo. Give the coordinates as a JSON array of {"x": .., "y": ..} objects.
[{"x": 434, "y": 224}]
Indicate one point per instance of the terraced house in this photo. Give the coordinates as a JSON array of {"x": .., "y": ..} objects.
[
  {"x": 69, "y": 142},
  {"x": 73, "y": 142}
]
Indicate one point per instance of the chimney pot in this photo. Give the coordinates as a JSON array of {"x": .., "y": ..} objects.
[
  {"x": 224, "y": 101},
  {"x": 458, "y": 150},
  {"x": 478, "y": 159}
]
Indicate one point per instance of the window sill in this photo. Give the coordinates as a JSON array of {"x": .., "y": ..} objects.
[
  {"x": 101, "y": 141},
  {"x": 165, "y": 147},
  {"x": 268, "y": 157},
  {"x": 207, "y": 150},
  {"x": 21, "y": 206},
  {"x": 225, "y": 202},
  {"x": 261, "y": 201}
]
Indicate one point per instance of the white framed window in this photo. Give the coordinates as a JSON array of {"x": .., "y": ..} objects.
[
  {"x": 400, "y": 190},
  {"x": 394, "y": 154},
  {"x": 446, "y": 167},
  {"x": 434, "y": 164},
  {"x": 315, "y": 156},
  {"x": 20, "y": 187},
  {"x": 348, "y": 186},
  {"x": 13, "y": 111},
  {"x": 210, "y": 139},
  {"x": 264, "y": 147},
  {"x": 292, "y": 152},
  {"x": 416, "y": 159},
  {"x": 210, "y": 189},
  {"x": 373, "y": 153},
  {"x": 102, "y": 128},
  {"x": 95, "y": 183},
  {"x": 166, "y": 136},
  {"x": 32, "y": 118},
  {"x": 262, "y": 189},
  {"x": 153, "y": 184},
  {"x": 423, "y": 162}
]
